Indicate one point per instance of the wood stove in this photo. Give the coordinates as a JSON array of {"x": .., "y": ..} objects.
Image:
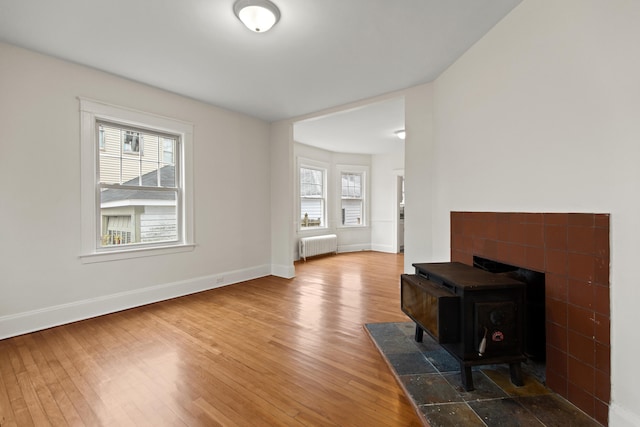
[{"x": 475, "y": 315}]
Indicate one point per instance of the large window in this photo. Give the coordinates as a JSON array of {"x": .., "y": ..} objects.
[
  {"x": 352, "y": 198},
  {"x": 312, "y": 197},
  {"x": 136, "y": 183},
  {"x": 139, "y": 190}
]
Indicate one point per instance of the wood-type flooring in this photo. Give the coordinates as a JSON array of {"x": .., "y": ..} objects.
[{"x": 267, "y": 352}]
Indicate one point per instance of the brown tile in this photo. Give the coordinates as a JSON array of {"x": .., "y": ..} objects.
[
  {"x": 581, "y": 293},
  {"x": 557, "y": 336},
  {"x": 581, "y": 266},
  {"x": 603, "y": 357},
  {"x": 533, "y": 218},
  {"x": 486, "y": 216},
  {"x": 601, "y": 271},
  {"x": 556, "y": 218},
  {"x": 581, "y": 375},
  {"x": 556, "y": 286},
  {"x": 585, "y": 219},
  {"x": 602, "y": 302},
  {"x": 581, "y": 398},
  {"x": 602, "y": 220},
  {"x": 556, "y": 262},
  {"x": 534, "y": 258},
  {"x": 516, "y": 233},
  {"x": 555, "y": 237},
  {"x": 601, "y": 242},
  {"x": 463, "y": 257},
  {"x": 490, "y": 249},
  {"x": 556, "y": 312},
  {"x": 582, "y": 348},
  {"x": 603, "y": 386},
  {"x": 602, "y": 329},
  {"x": 502, "y": 231},
  {"x": 491, "y": 230},
  {"x": 534, "y": 235},
  {"x": 503, "y": 217},
  {"x": 601, "y": 412},
  {"x": 556, "y": 382},
  {"x": 580, "y": 320},
  {"x": 581, "y": 239},
  {"x": 517, "y": 218},
  {"x": 556, "y": 360},
  {"x": 457, "y": 241},
  {"x": 516, "y": 255},
  {"x": 478, "y": 245}
]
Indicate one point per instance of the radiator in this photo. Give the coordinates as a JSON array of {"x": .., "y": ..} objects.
[{"x": 317, "y": 245}]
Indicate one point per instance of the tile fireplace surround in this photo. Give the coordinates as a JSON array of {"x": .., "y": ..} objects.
[{"x": 572, "y": 249}]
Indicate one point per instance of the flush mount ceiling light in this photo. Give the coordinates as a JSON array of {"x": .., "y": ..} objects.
[
  {"x": 258, "y": 15},
  {"x": 401, "y": 134}
]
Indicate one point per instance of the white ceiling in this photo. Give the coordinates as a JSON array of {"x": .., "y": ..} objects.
[{"x": 322, "y": 53}]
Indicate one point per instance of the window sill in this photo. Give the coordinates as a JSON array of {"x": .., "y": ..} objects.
[{"x": 134, "y": 253}]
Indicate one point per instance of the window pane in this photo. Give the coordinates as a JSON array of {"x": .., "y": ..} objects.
[
  {"x": 130, "y": 171},
  {"x": 311, "y": 183},
  {"x": 168, "y": 150},
  {"x": 351, "y": 212},
  {"x": 351, "y": 185},
  {"x": 148, "y": 167},
  {"x": 130, "y": 142},
  {"x": 130, "y": 216},
  {"x": 312, "y": 211}
]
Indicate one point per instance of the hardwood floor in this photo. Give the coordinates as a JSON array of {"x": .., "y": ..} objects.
[{"x": 268, "y": 352}]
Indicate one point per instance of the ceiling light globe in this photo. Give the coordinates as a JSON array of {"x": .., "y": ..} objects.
[{"x": 257, "y": 15}]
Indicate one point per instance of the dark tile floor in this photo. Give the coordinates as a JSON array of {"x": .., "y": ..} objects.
[{"x": 431, "y": 378}]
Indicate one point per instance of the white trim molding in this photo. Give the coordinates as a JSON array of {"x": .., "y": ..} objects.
[{"x": 35, "y": 320}]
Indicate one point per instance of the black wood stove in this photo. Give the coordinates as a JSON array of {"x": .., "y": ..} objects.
[{"x": 475, "y": 315}]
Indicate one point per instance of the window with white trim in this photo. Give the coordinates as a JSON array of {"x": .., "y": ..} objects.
[
  {"x": 313, "y": 209},
  {"x": 352, "y": 198},
  {"x": 136, "y": 198},
  {"x": 139, "y": 190}
]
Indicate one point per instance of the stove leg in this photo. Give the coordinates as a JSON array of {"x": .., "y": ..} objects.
[
  {"x": 467, "y": 378},
  {"x": 418, "y": 335},
  {"x": 516, "y": 374}
]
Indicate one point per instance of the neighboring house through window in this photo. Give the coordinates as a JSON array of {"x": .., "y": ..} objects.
[
  {"x": 134, "y": 198},
  {"x": 312, "y": 182},
  {"x": 352, "y": 198}
]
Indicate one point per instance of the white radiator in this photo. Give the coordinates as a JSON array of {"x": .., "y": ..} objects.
[{"x": 317, "y": 245}]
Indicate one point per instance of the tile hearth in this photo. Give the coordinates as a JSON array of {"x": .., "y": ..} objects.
[{"x": 431, "y": 379}]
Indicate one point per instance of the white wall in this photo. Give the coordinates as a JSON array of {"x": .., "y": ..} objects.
[
  {"x": 385, "y": 169},
  {"x": 542, "y": 115},
  {"x": 43, "y": 281}
]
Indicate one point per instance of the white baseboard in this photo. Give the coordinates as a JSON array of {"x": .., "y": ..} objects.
[
  {"x": 622, "y": 417},
  {"x": 35, "y": 320},
  {"x": 284, "y": 271},
  {"x": 383, "y": 248},
  {"x": 354, "y": 248}
]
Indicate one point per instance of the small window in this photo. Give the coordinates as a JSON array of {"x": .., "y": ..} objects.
[
  {"x": 352, "y": 200},
  {"x": 130, "y": 142},
  {"x": 312, "y": 197}
]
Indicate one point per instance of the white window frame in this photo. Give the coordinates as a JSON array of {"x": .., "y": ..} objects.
[
  {"x": 91, "y": 112},
  {"x": 312, "y": 164},
  {"x": 364, "y": 172}
]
